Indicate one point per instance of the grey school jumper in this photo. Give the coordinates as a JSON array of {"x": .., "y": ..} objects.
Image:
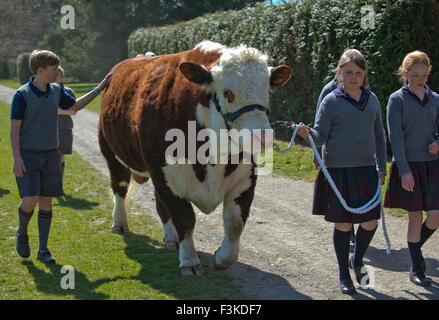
[
  {"x": 412, "y": 127},
  {"x": 350, "y": 137}
]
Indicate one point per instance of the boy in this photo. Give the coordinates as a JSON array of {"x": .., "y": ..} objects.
[{"x": 34, "y": 140}]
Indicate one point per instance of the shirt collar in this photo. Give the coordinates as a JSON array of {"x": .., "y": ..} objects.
[
  {"x": 365, "y": 94},
  {"x": 37, "y": 91},
  {"x": 427, "y": 95}
]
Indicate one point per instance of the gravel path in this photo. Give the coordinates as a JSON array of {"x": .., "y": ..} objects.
[{"x": 286, "y": 253}]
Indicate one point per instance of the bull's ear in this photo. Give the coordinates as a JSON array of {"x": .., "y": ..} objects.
[
  {"x": 196, "y": 73},
  {"x": 280, "y": 75}
]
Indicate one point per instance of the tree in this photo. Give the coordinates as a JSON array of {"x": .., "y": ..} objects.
[
  {"x": 21, "y": 24},
  {"x": 102, "y": 29}
]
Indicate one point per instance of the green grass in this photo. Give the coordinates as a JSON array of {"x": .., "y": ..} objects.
[
  {"x": 107, "y": 266},
  {"x": 10, "y": 83}
]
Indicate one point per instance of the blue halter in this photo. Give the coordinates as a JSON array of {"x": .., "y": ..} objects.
[{"x": 231, "y": 116}]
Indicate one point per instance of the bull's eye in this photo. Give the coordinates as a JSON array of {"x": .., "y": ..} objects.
[{"x": 228, "y": 94}]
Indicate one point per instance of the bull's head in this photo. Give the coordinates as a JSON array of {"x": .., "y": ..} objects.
[{"x": 240, "y": 84}]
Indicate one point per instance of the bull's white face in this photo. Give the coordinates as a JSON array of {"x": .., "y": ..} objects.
[
  {"x": 242, "y": 78},
  {"x": 239, "y": 79}
]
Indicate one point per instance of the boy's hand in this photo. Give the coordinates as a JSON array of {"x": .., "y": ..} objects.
[
  {"x": 103, "y": 83},
  {"x": 19, "y": 167}
]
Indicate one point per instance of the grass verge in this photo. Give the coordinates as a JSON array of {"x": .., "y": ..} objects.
[{"x": 107, "y": 266}]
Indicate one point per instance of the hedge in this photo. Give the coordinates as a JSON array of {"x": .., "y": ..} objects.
[
  {"x": 12, "y": 68},
  {"x": 310, "y": 36},
  {"x": 23, "y": 70}
]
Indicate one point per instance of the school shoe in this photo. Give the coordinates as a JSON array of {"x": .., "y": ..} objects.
[
  {"x": 358, "y": 274},
  {"x": 420, "y": 279},
  {"x": 347, "y": 287},
  {"x": 22, "y": 245},
  {"x": 45, "y": 257}
]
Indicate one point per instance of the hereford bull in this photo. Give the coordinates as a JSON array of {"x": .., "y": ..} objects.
[{"x": 216, "y": 87}]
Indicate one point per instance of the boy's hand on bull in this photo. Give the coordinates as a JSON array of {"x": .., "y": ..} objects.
[{"x": 103, "y": 83}]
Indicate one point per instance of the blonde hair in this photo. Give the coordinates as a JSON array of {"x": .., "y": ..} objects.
[
  {"x": 412, "y": 58},
  {"x": 355, "y": 56},
  {"x": 43, "y": 59}
]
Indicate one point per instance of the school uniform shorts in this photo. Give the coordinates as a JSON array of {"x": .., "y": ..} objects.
[{"x": 43, "y": 175}]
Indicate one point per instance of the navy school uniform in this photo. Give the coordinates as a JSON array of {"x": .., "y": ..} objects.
[
  {"x": 413, "y": 125},
  {"x": 38, "y": 111},
  {"x": 354, "y": 150}
]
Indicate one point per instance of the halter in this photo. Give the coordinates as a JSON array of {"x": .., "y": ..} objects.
[{"x": 231, "y": 116}]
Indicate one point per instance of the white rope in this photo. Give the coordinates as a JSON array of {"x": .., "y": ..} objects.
[{"x": 361, "y": 210}]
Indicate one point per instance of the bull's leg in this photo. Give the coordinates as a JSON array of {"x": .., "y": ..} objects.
[
  {"x": 183, "y": 218},
  {"x": 120, "y": 178},
  {"x": 171, "y": 238},
  {"x": 235, "y": 212}
]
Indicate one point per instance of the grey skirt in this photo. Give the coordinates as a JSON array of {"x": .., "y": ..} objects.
[{"x": 65, "y": 141}]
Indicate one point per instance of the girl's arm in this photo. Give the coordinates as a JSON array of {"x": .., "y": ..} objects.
[
  {"x": 67, "y": 112},
  {"x": 396, "y": 134},
  {"x": 380, "y": 142}
]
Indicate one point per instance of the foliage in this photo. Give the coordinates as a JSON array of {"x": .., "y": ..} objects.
[
  {"x": 310, "y": 36},
  {"x": 102, "y": 28},
  {"x": 23, "y": 71},
  {"x": 12, "y": 68}
]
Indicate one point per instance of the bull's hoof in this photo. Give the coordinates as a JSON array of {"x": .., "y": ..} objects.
[
  {"x": 190, "y": 271},
  {"x": 119, "y": 229},
  {"x": 217, "y": 266},
  {"x": 172, "y": 245}
]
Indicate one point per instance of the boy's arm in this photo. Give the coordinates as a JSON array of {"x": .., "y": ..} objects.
[
  {"x": 19, "y": 167},
  {"x": 86, "y": 99}
]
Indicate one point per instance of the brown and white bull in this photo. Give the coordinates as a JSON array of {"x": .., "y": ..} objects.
[{"x": 214, "y": 87}]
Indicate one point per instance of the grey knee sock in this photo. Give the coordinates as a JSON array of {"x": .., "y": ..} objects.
[
  {"x": 23, "y": 220},
  {"x": 44, "y": 221}
]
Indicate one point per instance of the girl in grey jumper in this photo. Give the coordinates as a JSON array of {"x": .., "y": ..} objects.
[
  {"x": 349, "y": 126},
  {"x": 413, "y": 123},
  {"x": 65, "y": 123}
]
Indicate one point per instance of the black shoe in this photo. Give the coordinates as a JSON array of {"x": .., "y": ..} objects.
[
  {"x": 420, "y": 279},
  {"x": 22, "y": 245},
  {"x": 347, "y": 287},
  {"x": 359, "y": 276},
  {"x": 45, "y": 257}
]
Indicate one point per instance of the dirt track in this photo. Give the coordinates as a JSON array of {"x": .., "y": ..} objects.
[{"x": 286, "y": 253}]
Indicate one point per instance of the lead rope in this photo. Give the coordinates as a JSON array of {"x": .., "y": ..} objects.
[{"x": 361, "y": 210}]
